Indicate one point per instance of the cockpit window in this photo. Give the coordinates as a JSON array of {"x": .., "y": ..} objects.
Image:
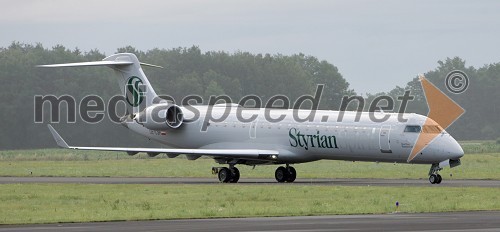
[
  {"x": 413, "y": 129},
  {"x": 428, "y": 129},
  {"x": 432, "y": 129}
]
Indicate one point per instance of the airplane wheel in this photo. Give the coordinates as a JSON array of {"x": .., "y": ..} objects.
[
  {"x": 281, "y": 174},
  {"x": 224, "y": 175},
  {"x": 433, "y": 178},
  {"x": 235, "y": 175},
  {"x": 439, "y": 179},
  {"x": 292, "y": 174}
]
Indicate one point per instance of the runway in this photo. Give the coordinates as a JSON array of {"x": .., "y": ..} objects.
[
  {"x": 172, "y": 180},
  {"x": 460, "y": 221}
]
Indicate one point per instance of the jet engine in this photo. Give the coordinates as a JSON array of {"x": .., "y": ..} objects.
[{"x": 161, "y": 117}]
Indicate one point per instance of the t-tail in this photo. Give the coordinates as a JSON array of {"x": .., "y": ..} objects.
[{"x": 136, "y": 89}]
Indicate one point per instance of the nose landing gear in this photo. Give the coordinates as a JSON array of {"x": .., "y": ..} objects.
[{"x": 434, "y": 177}]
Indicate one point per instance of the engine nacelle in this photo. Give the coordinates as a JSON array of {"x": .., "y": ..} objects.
[{"x": 161, "y": 117}]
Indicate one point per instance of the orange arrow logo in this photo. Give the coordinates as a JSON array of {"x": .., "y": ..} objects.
[{"x": 443, "y": 111}]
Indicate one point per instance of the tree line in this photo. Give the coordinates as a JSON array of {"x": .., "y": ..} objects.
[{"x": 188, "y": 70}]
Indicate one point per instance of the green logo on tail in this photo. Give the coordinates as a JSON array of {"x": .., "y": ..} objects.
[{"x": 135, "y": 93}]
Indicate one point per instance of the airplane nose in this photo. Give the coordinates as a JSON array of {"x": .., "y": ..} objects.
[
  {"x": 444, "y": 147},
  {"x": 450, "y": 148},
  {"x": 455, "y": 150}
]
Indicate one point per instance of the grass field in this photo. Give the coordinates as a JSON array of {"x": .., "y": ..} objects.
[
  {"x": 61, "y": 162},
  {"x": 46, "y": 203}
]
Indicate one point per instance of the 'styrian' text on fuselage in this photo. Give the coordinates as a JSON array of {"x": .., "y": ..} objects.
[{"x": 297, "y": 139}]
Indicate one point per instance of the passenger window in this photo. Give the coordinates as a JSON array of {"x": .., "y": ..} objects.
[{"x": 413, "y": 129}]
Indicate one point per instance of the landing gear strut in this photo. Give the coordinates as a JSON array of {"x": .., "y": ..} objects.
[
  {"x": 227, "y": 175},
  {"x": 434, "y": 177},
  {"x": 287, "y": 174}
]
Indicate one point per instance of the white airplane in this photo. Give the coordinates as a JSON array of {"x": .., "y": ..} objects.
[{"x": 259, "y": 142}]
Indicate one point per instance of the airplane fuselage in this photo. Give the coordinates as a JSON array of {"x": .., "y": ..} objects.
[
  {"x": 234, "y": 135},
  {"x": 323, "y": 137}
]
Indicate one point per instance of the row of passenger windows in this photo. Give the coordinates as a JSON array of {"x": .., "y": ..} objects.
[
  {"x": 286, "y": 126},
  {"x": 430, "y": 129}
]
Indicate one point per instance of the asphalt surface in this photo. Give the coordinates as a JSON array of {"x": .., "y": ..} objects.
[
  {"x": 461, "y": 221},
  {"x": 167, "y": 180}
]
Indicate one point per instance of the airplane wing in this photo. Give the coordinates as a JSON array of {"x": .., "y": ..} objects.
[{"x": 254, "y": 154}]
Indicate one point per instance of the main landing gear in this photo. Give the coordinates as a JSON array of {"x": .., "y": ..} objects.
[
  {"x": 227, "y": 175},
  {"x": 232, "y": 174},
  {"x": 285, "y": 174},
  {"x": 434, "y": 177}
]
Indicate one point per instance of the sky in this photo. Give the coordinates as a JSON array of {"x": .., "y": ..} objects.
[{"x": 376, "y": 45}]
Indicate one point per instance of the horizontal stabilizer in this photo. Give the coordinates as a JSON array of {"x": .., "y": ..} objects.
[
  {"x": 96, "y": 63},
  {"x": 93, "y": 63}
]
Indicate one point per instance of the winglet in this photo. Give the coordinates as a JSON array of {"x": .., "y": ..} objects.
[{"x": 59, "y": 140}]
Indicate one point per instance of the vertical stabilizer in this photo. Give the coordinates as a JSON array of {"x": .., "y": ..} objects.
[{"x": 133, "y": 83}]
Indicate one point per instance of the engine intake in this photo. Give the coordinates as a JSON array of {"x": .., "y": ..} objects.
[{"x": 161, "y": 117}]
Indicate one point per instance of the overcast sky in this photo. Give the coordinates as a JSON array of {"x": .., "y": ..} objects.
[{"x": 375, "y": 44}]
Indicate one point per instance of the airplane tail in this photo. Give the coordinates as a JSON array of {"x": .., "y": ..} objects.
[{"x": 134, "y": 84}]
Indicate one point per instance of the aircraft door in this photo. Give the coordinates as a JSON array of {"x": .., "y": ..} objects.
[
  {"x": 385, "y": 140},
  {"x": 252, "y": 133}
]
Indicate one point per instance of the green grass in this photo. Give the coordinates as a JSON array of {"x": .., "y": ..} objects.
[
  {"x": 61, "y": 162},
  {"x": 50, "y": 203},
  {"x": 46, "y": 203},
  {"x": 480, "y": 146},
  {"x": 64, "y": 155}
]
